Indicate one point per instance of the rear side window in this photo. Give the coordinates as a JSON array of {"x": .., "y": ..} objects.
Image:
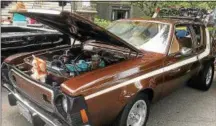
[{"x": 184, "y": 36}]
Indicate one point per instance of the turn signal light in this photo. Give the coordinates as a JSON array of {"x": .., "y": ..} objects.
[{"x": 84, "y": 116}]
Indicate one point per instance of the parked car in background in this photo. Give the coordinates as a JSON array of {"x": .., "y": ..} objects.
[
  {"x": 18, "y": 39},
  {"x": 114, "y": 75}
]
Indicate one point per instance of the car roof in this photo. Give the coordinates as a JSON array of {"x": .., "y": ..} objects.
[{"x": 171, "y": 20}]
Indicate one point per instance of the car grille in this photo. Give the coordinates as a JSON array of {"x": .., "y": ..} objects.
[{"x": 41, "y": 95}]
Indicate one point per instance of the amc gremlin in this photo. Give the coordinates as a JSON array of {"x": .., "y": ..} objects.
[{"x": 107, "y": 76}]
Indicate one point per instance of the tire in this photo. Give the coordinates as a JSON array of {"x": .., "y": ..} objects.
[
  {"x": 204, "y": 79},
  {"x": 140, "y": 102}
]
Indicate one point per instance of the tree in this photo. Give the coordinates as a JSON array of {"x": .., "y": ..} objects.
[
  {"x": 212, "y": 5},
  {"x": 148, "y": 7}
]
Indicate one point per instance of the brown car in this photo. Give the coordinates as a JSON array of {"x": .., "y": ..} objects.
[{"x": 112, "y": 75}]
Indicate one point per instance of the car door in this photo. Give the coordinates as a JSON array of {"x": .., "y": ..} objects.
[{"x": 178, "y": 65}]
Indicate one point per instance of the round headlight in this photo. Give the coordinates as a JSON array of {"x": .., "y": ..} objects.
[{"x": 65, "y": 104}]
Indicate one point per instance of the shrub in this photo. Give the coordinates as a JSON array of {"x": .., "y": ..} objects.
[
  {"x": 212, "y": 30},
  {"x": 101, "y": 22}
]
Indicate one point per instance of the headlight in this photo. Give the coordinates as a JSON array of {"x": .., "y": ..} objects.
[
  {"x": 72, "y": 109},
  {"x": 62, "y": 104},
  {"x": 65, "y": 103}
]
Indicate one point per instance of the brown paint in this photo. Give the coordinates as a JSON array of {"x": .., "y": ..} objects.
[
  {"x": 34, "y": 92},
  {"x": 106, "y": 107}
]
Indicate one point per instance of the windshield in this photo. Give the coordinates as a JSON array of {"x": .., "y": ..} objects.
[{"x": 144, "y": 35}]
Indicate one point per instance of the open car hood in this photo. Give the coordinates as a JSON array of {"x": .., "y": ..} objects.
[{"x": 75, "y": 26}]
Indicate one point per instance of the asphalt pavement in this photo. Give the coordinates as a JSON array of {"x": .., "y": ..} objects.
[{"x": 184, "y": 107}]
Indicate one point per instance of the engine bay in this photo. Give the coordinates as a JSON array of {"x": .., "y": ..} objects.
[
  {"x": 71, "y": 65},
  {"x": 71, "y": 62}
]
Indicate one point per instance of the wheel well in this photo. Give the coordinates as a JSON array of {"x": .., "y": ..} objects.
[
  {"x": 207, "y": 61},
  {"x": 149, "y": 92},
  {"x": 212, "y": 59}
]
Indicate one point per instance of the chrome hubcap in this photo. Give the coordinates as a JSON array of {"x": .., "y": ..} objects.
[
  {"x": 137, "y": 114},
  {"x": 209, "y": 76}
]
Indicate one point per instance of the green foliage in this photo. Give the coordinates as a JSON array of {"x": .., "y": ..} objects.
[
  {"x": 101, "y": 22},
  {"x": 148, "y": 7},
  {"x": 193, "y": 4},
  {"x": 212, "y": 30}
]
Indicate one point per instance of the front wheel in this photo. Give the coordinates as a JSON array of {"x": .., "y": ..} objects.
[{"x": 136, "y": 112}]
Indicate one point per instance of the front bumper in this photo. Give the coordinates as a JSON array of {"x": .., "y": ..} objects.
[{"x": 35, "y": 111}]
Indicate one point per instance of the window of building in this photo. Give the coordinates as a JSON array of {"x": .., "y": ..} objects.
[{"x": 119, "y": 12}]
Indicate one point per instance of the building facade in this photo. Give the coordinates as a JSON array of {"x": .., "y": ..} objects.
[{"x": 117, "y": 10}]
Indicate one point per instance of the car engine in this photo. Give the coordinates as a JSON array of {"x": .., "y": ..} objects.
[
  {"x": 71, "y": 62},
  {"x": 70, "y": 65}
]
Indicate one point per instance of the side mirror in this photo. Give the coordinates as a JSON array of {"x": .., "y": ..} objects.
[{"x": 185, "y": 51}]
